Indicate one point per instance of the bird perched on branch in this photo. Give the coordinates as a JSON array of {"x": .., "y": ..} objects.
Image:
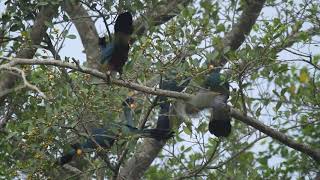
[
  {"x": 114, "y": 55},
  {"x": 129, "y": 130},
  {"x": 215, "y": 98},
  {"x": 105, "y": 137},
  {"x": 219, "y": 124},
  {"x": 171, "y": 85}
]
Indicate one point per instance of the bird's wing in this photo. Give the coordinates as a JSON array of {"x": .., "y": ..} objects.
[{"x": 106, "y": 53}]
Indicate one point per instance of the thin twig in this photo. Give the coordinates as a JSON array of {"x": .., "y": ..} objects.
[
  {"x": 147, "y": 114},
  {"x": 25, "y": 82},
  {"x": 195, "y": 172},
  {"x": 237, "y": 154},
  {"x": 304, "y": 148}
]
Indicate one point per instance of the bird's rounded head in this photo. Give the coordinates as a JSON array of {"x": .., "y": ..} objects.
[{"x": 129, "y": 102}]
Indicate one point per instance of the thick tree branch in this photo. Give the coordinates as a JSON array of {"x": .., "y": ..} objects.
[
  {"x": 128, "y": 84},
  {"x": 306, "y": 149},
  {"x": 86, "y": 29},
  {"x": 141, "y": 160},
  {"x": 242, "y": 28},
  {"x": 159, "y": 15},
  {"x": 312, "y": 152},
  {"x": 233, "y": 40}
]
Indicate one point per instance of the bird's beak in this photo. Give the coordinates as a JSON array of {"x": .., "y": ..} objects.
[
  {"x": 79, "y": 152},
  {"x": 133, "y": 106}
]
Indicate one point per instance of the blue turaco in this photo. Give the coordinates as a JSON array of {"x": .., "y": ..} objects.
[
  {"x": 105, "y": 137},
  {"x": 114, "y": 55},
  {"x": 219, "y": 123}
]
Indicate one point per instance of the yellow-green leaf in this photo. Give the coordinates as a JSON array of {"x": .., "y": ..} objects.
[{"x": 304, "y": 76}]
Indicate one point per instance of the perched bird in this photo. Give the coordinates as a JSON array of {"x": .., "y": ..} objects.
[
  {"x": 128, "y": 129},
  {"x": 215, "y": 82},
  {"x": 214, "y": 97},
  {"x": 115, "y": 54},
  {"x": 105, "y": 137},
  {"x": 99, "y": 137},
  {"x": 172, "y": 85},
  {"x": 219, "y": 124}
]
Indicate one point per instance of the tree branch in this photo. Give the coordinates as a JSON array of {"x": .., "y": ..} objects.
[
  {"x": 242, "y": 28},
  {"x": 195, "y": 172},
  {"x": 88, "y": 32},
  {"x": 25, "y": 82},
  {"x": 7, "y": 80},
  {"x": 236, "y": 154},
  {"x": 86, "y": 29},
  {"x": 304, "y": 148},
  {"x": 295, "y": 37},
  {"x": 141, "y": 160},
  {"x": 128, "y": 84},
  {"x": 152, "y": 147},
  {"x": 160, "y": 14},
  {"x": 233, "y": 40}
]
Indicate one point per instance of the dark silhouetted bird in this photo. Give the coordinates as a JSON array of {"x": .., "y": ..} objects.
[
  {"x": 105, "y": 137},
  {"x": 172, "y": 85},
  {"x": 115, "y": 54},
  {"x": 219, "y": 124},
  {"x": 128, "y": 129}
]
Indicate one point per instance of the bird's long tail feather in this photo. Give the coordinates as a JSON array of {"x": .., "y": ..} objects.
[
  {"x": 156, "y": 133},
  {"x": 159, "y": 134},
  {"x": 220, "y": 128}
]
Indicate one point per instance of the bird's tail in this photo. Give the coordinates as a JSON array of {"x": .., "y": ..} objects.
[
  {"x": 124, "y": 23},
  {"x": 220, "y": 128},
  {"x": 158, "y": 134}
]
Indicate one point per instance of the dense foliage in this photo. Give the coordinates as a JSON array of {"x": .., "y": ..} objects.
[{"x": 274, "y": 77}]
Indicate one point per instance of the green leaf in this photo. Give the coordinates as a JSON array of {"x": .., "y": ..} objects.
[
  {"x": 42, "y": 3},
  {"x": 11, "y": 134},
  {"x": 220, "y": 28},
  {"x": 258, "y": 112},
  {"x": 48, "y": 24},
  {"x": 72, "y": 36},
  {"x": 15, "y": 27},
  {"x": 278, "y": 105},
  {"x": 187, "y": 130},
  {"x": 65, "y": 17}
]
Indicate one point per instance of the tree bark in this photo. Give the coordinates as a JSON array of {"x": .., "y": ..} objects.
[
  {"x": 155, "y": 147},
  {"x": 87, "y": 31},
  {"x": 304, "y": 148},
  {"x": 233, "y": 39},
  {"x": 8, "y": 80}
]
